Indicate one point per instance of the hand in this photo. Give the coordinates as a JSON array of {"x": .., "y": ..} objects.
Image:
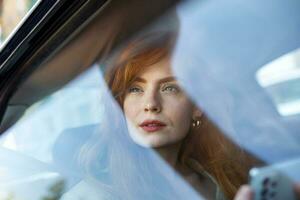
[
  {"x": 245, "y": 192},
  {"x": 297, "y": 190}
]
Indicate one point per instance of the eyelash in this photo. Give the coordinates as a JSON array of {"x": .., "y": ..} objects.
[
  {"x": 166, "y": 88},
  {"x": 135, "y": 89},
  {"x": 170, "y": 88}
]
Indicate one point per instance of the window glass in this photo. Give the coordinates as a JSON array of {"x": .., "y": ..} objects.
[
  {"x": 11, "y": 13},
  {"x": 281, "y": 79},
  {"x": 64, "y": 139},
  {"x": 32, "y": 142},
  {"x": 46, "y": 119},
  {"x": 224, "y": 67},
  {"x": 182, "y": 110}
]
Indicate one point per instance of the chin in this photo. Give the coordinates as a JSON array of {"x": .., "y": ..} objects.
[
  {"x": 149, "y": 143},
  {"x": 161, "y": 143}
]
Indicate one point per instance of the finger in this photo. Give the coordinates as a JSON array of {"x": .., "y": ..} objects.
[
  {"x": 244, "y": 193},
  {"x": 297, "y": 190}
]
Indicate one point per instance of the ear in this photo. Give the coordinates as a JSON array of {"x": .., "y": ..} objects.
[{"x": 197, "y": 113}]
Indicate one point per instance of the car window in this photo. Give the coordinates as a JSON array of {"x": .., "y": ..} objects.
[
  {"x": 12, "y": 13},
  {"x": 46, "y": 121},
  {"x": 66, "y": 123},
  {"x": 183, "y": 109},
  {"x": 41, "y": 115}
]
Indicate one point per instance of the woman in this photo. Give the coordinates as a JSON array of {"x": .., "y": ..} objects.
[{"x": 160, "y": 116}]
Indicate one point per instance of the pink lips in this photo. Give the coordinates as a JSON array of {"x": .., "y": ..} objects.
[{"x": 152, "y": 125}]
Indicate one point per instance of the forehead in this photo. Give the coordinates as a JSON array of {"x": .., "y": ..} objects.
[{"x": 158, "y": 70}]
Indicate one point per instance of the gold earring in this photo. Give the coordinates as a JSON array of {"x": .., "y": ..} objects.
[{"x": 196, "y": 123}]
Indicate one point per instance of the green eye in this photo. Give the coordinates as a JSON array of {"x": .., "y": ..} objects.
[
  {"x": 171, "y": 89},
  {"x": 135, "y": 90}
]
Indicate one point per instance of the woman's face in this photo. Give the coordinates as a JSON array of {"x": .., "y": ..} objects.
[{"x": 157, "y": 111}]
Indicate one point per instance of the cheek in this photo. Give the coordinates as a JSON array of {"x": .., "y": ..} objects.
[
  {"x": 181, "y": 113},
  {"x": 130, "y": 108},
  {"x": 184, "y": 123},
  {"x": 184, "y": 120}
]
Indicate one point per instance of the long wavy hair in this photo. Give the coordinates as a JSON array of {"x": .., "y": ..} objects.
[{"x": 216, "y": 154}]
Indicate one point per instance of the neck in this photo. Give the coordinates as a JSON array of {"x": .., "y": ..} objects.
[{"x": 170, "y": 153}]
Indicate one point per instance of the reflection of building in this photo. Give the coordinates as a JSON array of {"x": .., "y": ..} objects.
[{"x": 11, "y": 13}]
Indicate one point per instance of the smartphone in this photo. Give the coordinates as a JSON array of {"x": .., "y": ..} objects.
[{"x": 269, "y": 183}]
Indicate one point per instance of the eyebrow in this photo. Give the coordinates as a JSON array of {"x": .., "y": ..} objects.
[{"x": 163, "y": 80}]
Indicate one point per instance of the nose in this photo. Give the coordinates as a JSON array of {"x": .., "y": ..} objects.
[{"x": 153, "y": 103}]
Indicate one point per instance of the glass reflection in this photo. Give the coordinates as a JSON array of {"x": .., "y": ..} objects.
[
  {"x": 220, "y": 66},
  {"x": 281, "y": 79}
]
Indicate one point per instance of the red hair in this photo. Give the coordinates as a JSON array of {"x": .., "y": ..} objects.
[{"x": 137, "y": 56}]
